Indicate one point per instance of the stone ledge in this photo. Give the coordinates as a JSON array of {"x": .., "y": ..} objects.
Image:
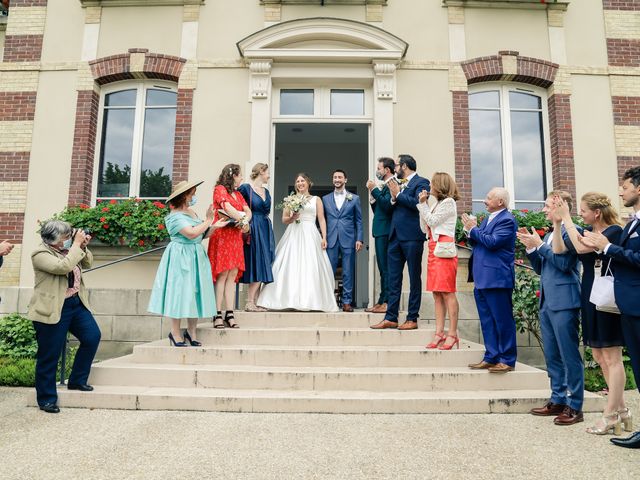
[
  {"x": 139, "y": 3},
  {"x": 513, "y": 4}
]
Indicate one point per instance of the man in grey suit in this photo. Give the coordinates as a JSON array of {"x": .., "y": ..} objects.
[{"x": 559, "y": 319}]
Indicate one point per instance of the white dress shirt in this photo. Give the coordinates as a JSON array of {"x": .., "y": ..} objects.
[{"x": 339, "y": 197}]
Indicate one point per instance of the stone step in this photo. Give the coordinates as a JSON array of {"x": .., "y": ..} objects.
[
  {"x": 357, "y": 319},
  {"x": 285, "y": 401},
  {"x": 313, "y": 336},
  {"x": 376, "y": 379},
  {"x": 308, "y": 356}
]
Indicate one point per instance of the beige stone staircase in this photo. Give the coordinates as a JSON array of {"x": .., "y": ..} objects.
[{"x": 310, "y": 362}]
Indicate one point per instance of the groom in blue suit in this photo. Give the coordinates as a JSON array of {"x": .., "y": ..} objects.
[
  {"x": 406, "y": 243},
  {"x": 344, "y": 233}
]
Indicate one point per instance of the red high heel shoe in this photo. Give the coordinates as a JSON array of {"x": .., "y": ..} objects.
[
  {"x": 456, "y": 343},
  {"x": 441, "y": 337}
]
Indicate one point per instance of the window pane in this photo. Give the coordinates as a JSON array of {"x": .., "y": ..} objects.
[
  {"x": 532, "y": 206},
  {"x": 486, "y": 151},
  {"x": 296, "y": 102},
  {"x": 125, "y": 98},
  {"x": 347, "y": 102},
  {"x": 157, "y": 152},
  {"x": 484, "y": 100},
  {"x": 115, "y": 154},
  {"x": 161, "y": 98},
  {"x": 478, "y": 207},
  {"x": 524, "y": 100},
  {"x": 528, "y": 155}
]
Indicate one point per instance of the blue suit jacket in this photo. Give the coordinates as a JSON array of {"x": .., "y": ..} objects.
[
  {"x": 494, "y": 252},
  {"x": 559, "y": 275},
  {"x": 405, "y": 220},
  {"x": 382, "y": 210},
  {"x": 626, "y": 266},
  {"x": 344, "y": 226}
]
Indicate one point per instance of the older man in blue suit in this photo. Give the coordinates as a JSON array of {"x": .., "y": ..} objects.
[
  {"x": 559, "y": 319},
  {"x": 491, "y": 268},
  {"x": 344, "y": 233},
  {"x": 406, "y": 243},
  {"x": 626, "y": 268}
]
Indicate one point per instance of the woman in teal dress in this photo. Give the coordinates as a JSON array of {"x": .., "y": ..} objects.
[{"x": 183, "y": 287}]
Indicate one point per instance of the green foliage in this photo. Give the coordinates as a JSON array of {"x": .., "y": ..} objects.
[
  {"x": 17, "y": 337},
  {"x": 526, "y": 294},
  {"x": 137, "y": 223},
  {"x": 155, "y": 184},
  {"x": 17, "y": 372},
  {"x": 113, "y": 174}
]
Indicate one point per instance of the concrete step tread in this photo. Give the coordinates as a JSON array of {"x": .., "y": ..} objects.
[
  {"x": 325, "y": 394},
  {"x": 464, "y": 346},
  {"x": 374, "y": 370},
  {"x": 313, "y": 328}
]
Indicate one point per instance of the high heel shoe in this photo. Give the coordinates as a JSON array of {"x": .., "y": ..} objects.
[
  {"x": 456, "y": 343},
  {"x": 627, "y": 420},
  {"x": 441, "y": 337},
  {"x": 607, "y": 424},
  {"x": 172, "y": 341},
  {"x": 217, "y": 321},
  {"x": 230, "y": 320},
  {"x": 187, "y": 337}
]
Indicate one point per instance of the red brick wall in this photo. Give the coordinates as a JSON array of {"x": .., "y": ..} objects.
[
  {"x": 182, "y": 144},
  {"x": 633, "y": 5},
  {"x": 28, "y": 3},
  {"x": 22, "y": 48},
  {"x": 84, "y": 142},
  {"x": 623, "y": 52},
  {"x": 11, "y": 226},
  {"x": 625, "y": 163},
  {"x": 15, "y": 106},
  {"x": 462, "y": 148},
  {"x": 562, "y": 166},
  {"x": 626, "y": 110},
  {"x": 14, "y": 166}
]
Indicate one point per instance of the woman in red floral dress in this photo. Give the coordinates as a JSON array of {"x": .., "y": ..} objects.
[{"x": 226, "y": 250}]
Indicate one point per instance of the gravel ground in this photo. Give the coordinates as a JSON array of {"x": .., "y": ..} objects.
[{"x": 113, "y": 444}]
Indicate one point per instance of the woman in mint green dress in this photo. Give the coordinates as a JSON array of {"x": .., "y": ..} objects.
[{"x": 183, "y": 287}]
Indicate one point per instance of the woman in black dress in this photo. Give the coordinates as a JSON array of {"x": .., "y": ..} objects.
[{"x": 602, "y": 331}]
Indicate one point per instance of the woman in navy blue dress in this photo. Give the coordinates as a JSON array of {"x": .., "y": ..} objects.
[{"x": 259, "y": 251}]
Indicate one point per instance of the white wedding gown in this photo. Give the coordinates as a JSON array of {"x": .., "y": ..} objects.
[{"x": 302, "y": 274}]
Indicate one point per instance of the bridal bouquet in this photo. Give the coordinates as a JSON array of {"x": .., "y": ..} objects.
[{"x": 294, "y": 203}]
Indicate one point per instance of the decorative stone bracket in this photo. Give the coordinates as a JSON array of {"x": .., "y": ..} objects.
[
  {"x": 260, "y": 84},
  {"x": 385, "y": 79}
]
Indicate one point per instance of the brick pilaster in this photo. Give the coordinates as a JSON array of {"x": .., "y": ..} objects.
[
  {"x": 84, "y": 141},
  {"x": 560, "y": 131},
  {"x": 462, "y": 148},
  {"x": 182, "y": 142}
]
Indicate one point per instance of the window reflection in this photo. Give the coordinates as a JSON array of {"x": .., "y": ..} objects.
[
  {"x": 347, "y": 102},
  {"x": 115, "y": 156},
  {"x": 486, "y": 151},
  {"x": 296, "y": 102}
]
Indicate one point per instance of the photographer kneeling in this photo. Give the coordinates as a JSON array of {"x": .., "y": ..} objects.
[{"x": 59, "y": 305}]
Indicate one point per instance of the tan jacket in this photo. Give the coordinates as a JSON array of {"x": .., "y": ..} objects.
[{"x": 51, "y": 269}]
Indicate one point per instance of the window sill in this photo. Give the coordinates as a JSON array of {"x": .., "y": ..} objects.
[
  {"x": 139, "y": 3},
  {"x": 514, "y": 4},
  {"x": 324, "y": 2},
  {"x": 108, "y": 253}
]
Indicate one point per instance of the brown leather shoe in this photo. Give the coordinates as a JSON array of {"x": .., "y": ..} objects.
[
  {"x": 384, "y": 324},
  {"x": 371, "y": 309},
  {"x": 381, "y": 308},
  {"x": 347, "y": 307},
  {"x": 548, "y": 409},
  {"x": 408, "y": 325},
  {"x": 500, "y": 368},
  {"x": 569, "y": 416},
  {"x": 481, "y": 365}
]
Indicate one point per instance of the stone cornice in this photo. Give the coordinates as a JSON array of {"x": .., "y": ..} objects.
[
  {"x": 323, "y": 2},
  {"x": 514, "y": 4},
  {"x": 139, "y": 3}
]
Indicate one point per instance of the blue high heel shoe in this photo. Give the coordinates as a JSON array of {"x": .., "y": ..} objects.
[
  {"x": 173, "y": 342},
  {"x": 187, "y": 337}
]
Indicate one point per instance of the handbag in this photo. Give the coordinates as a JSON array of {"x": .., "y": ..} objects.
[
  {"x": 445, "y": 249},
  {"x": 602, "y": 292}
]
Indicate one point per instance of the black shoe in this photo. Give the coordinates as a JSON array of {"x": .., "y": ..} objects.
[
  {"x": 187, "y": 337},
  {"x": 82, "y": 388},
  {"x": 230, "y": 320},
  {"x": 630, "y": 442},
  {"x": 172, "y": 341},
  {"x": 50, "y": 408}
]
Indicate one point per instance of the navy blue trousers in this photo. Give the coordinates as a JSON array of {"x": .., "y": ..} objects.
[
  {"x": 348, "y": 256},
  {"x": 400, "y": 253},
  {"x": 561, "y": 340},
  {"x": 495, "y": 308},
  {"x": 75, "y": 318},
  {"x": 631, "y": 332}
]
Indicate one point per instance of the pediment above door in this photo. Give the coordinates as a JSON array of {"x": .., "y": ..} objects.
[{"x": 323, "y": 40}]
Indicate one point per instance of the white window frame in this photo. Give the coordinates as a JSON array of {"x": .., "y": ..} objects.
[
  {"x": 505, "y": 125},
  {"x": 138, "y": 132},
  {"x": 322, "y": 103}
]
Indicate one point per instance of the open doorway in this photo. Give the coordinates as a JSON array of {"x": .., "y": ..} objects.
[{"x": 318, "y": 149}]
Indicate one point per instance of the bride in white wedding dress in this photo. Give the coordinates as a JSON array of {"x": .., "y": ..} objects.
[{"x": 302, "y": 274}]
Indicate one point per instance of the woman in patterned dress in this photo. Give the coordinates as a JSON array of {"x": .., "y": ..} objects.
[{"x": 226, "y": 252}]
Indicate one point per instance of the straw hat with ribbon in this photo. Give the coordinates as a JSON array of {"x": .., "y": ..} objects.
[{"x": 181, "y": 188}]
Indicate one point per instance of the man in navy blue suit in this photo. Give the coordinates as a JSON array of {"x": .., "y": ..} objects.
[
  {"x": 406, "y": 243},
  {"x": 559, "y": 318},
  {"x": 492, "y": 270},
  {"x": 344, "y": 233},
  {"x": 626, "y": 270}
]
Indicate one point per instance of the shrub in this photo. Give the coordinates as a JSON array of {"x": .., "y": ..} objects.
[
  {"x": 17, "y": 337},
  {"x": 137, "y": 223}
]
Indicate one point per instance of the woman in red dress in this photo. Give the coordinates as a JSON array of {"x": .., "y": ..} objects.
[{"x": 226, "y": 250}]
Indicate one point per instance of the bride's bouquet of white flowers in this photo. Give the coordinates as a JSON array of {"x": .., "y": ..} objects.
[{"x": 293, "y": 202}]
